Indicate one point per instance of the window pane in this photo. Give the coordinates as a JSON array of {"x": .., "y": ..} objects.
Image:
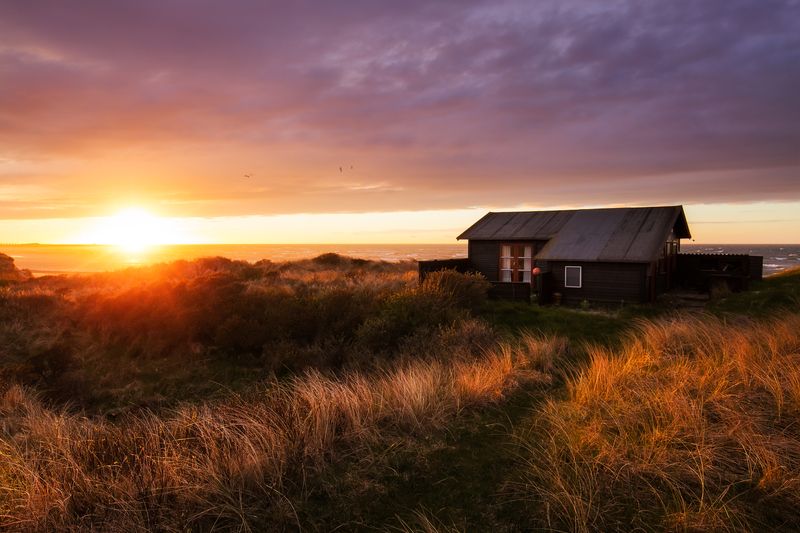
[
  {"x": 528, "y": 251},
  {"x": 505, "y": 263},
  {"x": 526, "y": 264},
  {"x": 526, "y": 276},
  {"x": 505, "y": 275},
  {"x": 506, "y": 252},
  {"x": 572, "y": 277}
]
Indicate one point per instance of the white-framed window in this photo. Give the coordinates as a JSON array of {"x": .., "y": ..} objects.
[{"x": 573, "y": 277}]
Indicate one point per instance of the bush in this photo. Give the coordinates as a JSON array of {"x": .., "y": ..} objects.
[
  {"x": 212, "y": 318},
  {"x": 329, "y": 259},
  {"x": 469, "y": 291},
  {"x": 423, "y": 308}
]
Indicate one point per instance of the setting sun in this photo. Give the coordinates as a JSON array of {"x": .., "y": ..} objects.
[
  {"x": 134, "y": 230},
  {"x": 418, "y": 266}
]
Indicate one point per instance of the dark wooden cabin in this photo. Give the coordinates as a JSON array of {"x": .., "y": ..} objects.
[{"x": 614, "y": 255}]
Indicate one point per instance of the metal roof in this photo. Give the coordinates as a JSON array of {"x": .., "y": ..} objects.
[{"x": 630, "y": 234}]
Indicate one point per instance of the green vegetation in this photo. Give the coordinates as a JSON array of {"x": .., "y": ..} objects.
[
  {"x": 9, "y": 273},
  {"x": 579, "y": 326},
  {"x": 775, "y": 294},
  {"x": 150, "y": 337},
  {"x": 339, "y": 393}
]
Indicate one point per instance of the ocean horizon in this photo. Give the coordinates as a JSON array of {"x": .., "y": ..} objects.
[{"x": 44, "y": 259}]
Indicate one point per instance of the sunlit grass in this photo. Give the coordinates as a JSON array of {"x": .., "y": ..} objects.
[
  {"x": 227, "y": 463},
  {"x": 693, "y": 425},
  {"x": 218, "y": 394}
]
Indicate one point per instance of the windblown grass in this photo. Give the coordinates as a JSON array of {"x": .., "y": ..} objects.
[
  {"x": 242, "y": 463},
  {"x": 423, "y": 522},
  {"x": 693, "y": 426}
]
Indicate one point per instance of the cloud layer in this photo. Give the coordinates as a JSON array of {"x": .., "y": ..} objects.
[{"x": 369, "y": 106}]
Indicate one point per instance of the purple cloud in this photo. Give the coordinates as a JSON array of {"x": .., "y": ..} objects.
[{"x": 445, "y": 104}]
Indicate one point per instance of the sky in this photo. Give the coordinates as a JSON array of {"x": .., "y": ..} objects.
[{"x": 374, "y": 121}]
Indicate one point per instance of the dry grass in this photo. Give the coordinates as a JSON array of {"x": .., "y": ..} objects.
[
  {"x": 424, "y": 522},
  {"x": 239, "y": 464},
  {"x": 694, "y": 426}
]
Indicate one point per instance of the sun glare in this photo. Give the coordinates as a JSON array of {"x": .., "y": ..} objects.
[{"x": 134, "y": 230}]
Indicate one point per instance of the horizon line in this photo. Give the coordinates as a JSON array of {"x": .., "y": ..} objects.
[{"x": 456, "y": 242}]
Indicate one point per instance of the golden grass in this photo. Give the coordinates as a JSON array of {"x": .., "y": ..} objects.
[
  {"x": 239, "y": 464},
  {"x": 693, "y": 426},
  {"x": 424, "y": 522}
]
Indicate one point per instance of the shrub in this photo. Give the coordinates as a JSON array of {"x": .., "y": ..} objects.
[
  {"x": 149, "y": 320},
  {"x": 469, "y": 291},
  {"x": 37, "y": 354},
  {"x": 329, "y": 259},
  {"x": 28, "y": 303},
  {"x": 215, "y": 316},
  {"x": 422, "y": 308},
  {"x": 9, "y": 273}
]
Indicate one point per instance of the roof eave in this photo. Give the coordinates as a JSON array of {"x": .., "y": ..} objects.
[
  {"x": 682, "y": 224},
  {"x": 630, "y": 261},
  {"x": 464, "y": 234}
]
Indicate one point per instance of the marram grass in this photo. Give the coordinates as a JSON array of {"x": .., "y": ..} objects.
[
  {"x": 230, "y": 464},
  {"x": 694, "y": 426}
]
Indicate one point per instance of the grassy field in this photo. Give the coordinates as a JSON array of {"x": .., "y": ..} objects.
[{"x": 338, "y": 394}]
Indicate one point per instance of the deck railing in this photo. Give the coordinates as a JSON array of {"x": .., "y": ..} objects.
[{"x": 706, "y": 271}]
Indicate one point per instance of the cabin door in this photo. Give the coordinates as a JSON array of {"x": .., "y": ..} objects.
[{"x": 516, "y": 263}]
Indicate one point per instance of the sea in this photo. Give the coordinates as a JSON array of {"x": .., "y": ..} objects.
[{"x": 44, "y": 259}]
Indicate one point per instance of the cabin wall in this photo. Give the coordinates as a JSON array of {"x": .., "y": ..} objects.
[
  {"x": 485, "y": 255},
  {"x": 602, "y": 282},
  {"x": 511, "y": 291},
  {"x": 485, "y": 258}
]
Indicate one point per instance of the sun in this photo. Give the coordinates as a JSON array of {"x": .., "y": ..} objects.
[{"x": 134, "y": 230}]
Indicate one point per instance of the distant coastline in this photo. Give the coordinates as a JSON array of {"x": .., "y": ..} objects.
[{"x": 44, "y": 259}]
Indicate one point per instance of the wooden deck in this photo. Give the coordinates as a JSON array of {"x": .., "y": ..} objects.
[{"x": 705, "y": 272}]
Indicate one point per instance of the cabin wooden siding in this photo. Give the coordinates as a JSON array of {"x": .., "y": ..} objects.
[
  {"x": 511, "y": 291},
  {"x": 603, "y": 282},
  {"x": 485, "y": 258}
]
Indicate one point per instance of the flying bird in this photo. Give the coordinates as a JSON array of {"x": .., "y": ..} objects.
[{"x": 248, "y": 175}]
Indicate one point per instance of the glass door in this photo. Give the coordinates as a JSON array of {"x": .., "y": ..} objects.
[{"x": 516, "y": 262}]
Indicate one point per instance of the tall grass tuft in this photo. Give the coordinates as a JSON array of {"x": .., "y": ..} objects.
[
  {"x": 692, "y": 426},
  {"x": 243, "y": 463}
]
